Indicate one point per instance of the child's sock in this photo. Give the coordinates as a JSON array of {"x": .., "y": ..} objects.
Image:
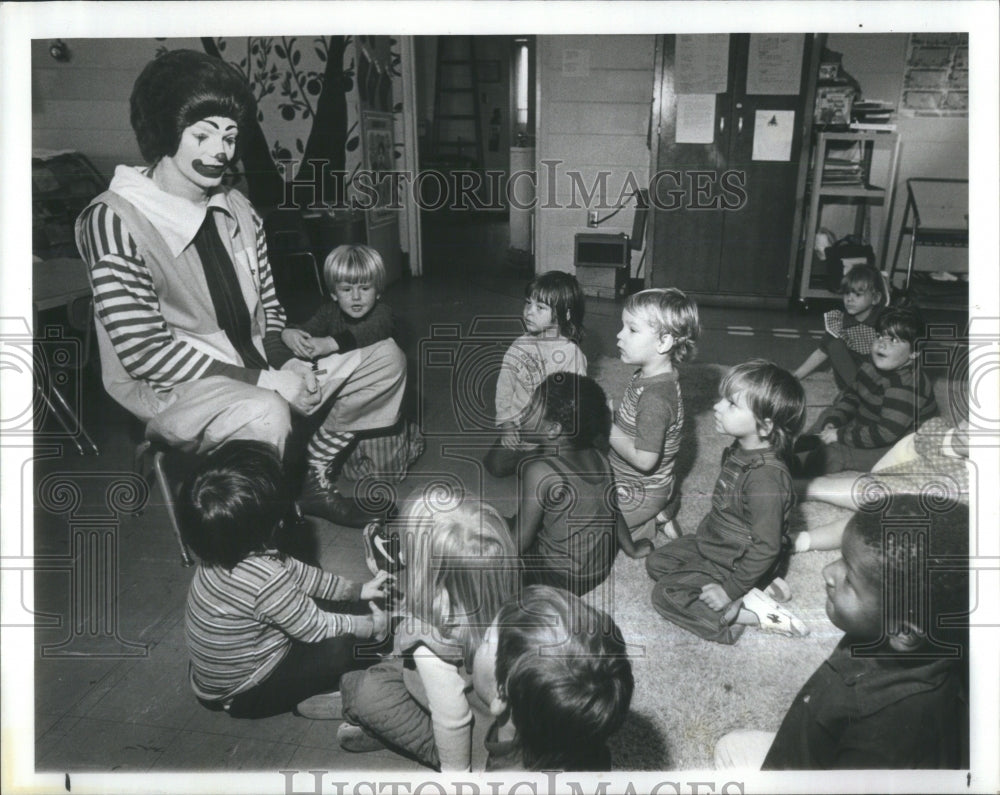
[
  {"x": 667, "y": 526},
  {"x": 325, "y": 446}
]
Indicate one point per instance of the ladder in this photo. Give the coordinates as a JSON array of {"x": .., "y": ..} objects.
[{"x": 457, "y": 135}]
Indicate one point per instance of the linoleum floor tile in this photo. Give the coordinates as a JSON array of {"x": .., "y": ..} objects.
[
  {"x": 109, "y": 745},
  {"x": 200, "y": 751}
]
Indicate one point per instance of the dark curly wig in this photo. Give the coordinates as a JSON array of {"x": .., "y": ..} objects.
[{"x": 180, "y": 88}]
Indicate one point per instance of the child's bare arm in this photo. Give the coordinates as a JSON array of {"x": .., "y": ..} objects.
[
  {"x": 643, "y": 460},
  {"x": 632, "y": 548},
  {"x": 529, "y": 505},
  {"x": 814, "y": 360}
]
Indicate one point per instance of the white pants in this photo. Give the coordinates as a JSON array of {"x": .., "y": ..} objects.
[
  {"x": 365, "y": 385},
  {"x": 200, "y": 415},
  {"x": 745, "y": 749}
]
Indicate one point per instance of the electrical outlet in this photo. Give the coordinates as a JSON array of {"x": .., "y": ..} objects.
[{"x": 592, "y": 219}]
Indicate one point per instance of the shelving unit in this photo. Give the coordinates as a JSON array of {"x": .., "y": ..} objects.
[{"x": 847, "y": 181}]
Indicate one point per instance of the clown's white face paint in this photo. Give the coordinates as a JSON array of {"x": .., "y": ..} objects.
[{"x": 205, "y": 150}]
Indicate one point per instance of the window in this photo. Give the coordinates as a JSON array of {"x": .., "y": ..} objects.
[{"x": 523, "y": 86}]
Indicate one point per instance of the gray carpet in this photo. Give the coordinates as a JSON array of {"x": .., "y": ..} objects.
[{"x": 689, "y": 692}]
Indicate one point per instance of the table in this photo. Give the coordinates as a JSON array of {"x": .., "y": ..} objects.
[{"x": 937, "y": 214}]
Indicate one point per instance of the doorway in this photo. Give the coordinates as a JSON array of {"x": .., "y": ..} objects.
[{"x": 475, "y": 105}]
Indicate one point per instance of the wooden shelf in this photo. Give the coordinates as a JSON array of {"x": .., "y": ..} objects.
[{"x": 865, "y": 195}]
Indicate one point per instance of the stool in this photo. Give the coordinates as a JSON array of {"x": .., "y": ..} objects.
[{"x": 149, "y": 462}]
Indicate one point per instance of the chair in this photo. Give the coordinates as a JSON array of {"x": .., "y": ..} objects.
[
  {"x": 150, "y": 461},
  {"x": 297, "y": 278}
]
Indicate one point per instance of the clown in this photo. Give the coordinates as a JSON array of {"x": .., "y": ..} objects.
[{"x": 188, "y": 320}]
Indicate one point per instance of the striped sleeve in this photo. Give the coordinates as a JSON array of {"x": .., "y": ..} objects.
[
  {"x": 126, "y": 303},
  {"x": 841, "y": 412},
  {"x": 275, "y": 350},
  {"x": 273, "y": 311},
  {"x": 321, "y": 584},
  {"x": 887, "y": 416},
  {"x": 283, "y": 604}
]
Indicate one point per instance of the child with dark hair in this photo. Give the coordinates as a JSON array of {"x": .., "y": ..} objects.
[
  {"x": 259, "y": 643},
  {"x": 568, "y": 527},
  {"x": 659, "y": 330},
  {"x": 555, "y": 674},
  {"x": 553, "y": 319},
  {"x": 849, "y": 335},
  {"x": 887, "y": 400},
  {"x": 894, "y": 693},
  {"x": 708, "y": 583}
]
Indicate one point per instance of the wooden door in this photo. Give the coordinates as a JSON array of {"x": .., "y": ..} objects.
[
  {"x": 733, "y": 239},
  {"x": 757, "y": 245},
  {"x": 686, "y": 241}
]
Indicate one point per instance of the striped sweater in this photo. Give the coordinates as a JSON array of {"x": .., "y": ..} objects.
[
  {"x": 240, "y": 624},
  {"x": 149, "y": 293},
  {"x": 880, "y": 408}
]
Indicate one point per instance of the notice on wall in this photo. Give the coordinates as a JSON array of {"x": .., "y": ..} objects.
[
  {"x": 695, "y": 119},
  {"x": 701, "y": 64},
  {"x": 774, "y": 65},
  {"x": 772, "y": 134},
  {"x": 936, "y": 81}
]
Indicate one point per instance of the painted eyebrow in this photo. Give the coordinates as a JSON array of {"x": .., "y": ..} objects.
[{"x": 216, "y": 126}]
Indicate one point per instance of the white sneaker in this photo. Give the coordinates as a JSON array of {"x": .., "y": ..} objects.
[
  {"x": 772, "y": 617},
  {"x": 778, "y": 590}
]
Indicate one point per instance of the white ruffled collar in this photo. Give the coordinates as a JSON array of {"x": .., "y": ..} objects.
[{"x": 176, "y": 219}]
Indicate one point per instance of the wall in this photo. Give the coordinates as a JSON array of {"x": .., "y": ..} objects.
[
  {"x": 84, "y": 104},
  {"x": 930, "y": 147},
  {"x": 594, "y": 95}
]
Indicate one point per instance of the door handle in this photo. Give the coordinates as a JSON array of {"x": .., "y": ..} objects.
[
  {"x": 722, "y": 124},
  {"x": 739, "y": 125}
]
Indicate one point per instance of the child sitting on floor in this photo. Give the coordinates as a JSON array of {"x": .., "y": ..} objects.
[
  {"x": 659, "y": 330},
  {"x": 259, "y": 644},
  {"x": 459, "y": 566},
  {"x": 353, "y": 320},
  {"x": 553, "y": 317},
  {"x": 555, "y": 674},
  {"x": 894, "y": 693},
  {"x": 887, "y": 400},
  {"x": 708, "y": 582},
  {"x": 568, "y": 527},
  {"x": 849, "y": 335}
]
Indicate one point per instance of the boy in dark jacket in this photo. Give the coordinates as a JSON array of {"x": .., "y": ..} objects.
[{"x": 894, "y": 693}]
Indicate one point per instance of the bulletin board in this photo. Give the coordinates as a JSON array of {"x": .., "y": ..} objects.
[{"x": 936, "y": 81}]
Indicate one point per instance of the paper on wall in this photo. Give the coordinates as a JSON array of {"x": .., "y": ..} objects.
[
  {"x": 774, "y": 65},
  {"x": 701, "y": 64},
  {"x": 772, "y": 134},
  {"x": 695, "y": 119}
]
